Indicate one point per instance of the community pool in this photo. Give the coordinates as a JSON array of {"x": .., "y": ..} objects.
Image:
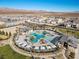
[{"x": 37, "y": 37}]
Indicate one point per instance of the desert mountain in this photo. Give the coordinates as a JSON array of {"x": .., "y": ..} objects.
[{"x": 21, "y": 11}]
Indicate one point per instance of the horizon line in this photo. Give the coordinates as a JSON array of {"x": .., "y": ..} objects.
[{"x": 38, "y": 10}]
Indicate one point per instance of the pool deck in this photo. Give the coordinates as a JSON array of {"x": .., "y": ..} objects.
[
  {"x": 39, "y": 44},
  {"x": 18, "y": 50}
]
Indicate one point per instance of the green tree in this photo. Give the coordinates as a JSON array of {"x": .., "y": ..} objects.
[
  {"x": 72, "y": 54},
  {"x": 10, "y": 34},
  {"x": 6, "y": 34},
  {"x": 2, "y": 32}
]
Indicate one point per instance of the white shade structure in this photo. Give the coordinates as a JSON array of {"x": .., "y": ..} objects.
[
  {"x": 53, "y": 46},
  {"x": 28, "y": 47},
  {"x": 36, "y": 48},
  {"x": 48, "y": 47},
  {"x": 42, "y": 48}
]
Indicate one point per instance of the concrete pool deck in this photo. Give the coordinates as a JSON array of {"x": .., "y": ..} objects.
[{"x": 18, "y": 50}]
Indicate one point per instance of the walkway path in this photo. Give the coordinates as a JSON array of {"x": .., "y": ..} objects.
[
  {"x": 20, "y": 51},
  {"x": 77, "y": 53},
  {"x": 23, "y": 52}
]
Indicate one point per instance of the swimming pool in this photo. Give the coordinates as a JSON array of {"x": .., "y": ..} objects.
[
  {"x": 37, "y": 37},
  {"x": 38, "y": 41}
]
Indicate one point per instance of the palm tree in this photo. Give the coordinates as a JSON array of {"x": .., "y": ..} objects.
[
  {"x": 9, "y": 34},
  {"x": 6, "y": 34},
  {"x": 32, "y": 37},
  {"x": 2, "y": 32}
]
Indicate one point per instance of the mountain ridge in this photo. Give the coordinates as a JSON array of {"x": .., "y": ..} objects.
[{"x": 22, "y": 11}]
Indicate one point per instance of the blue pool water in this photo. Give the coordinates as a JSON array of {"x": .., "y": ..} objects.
[{"x": 37, "y": 36}]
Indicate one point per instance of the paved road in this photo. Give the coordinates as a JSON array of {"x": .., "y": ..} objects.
[{"x": 77, "y": 53}]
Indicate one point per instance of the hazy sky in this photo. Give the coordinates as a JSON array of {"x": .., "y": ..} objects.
[{"x": 49, "y": 5}]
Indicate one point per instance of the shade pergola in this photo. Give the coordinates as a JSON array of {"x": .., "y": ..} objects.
[
  {"x": 42, "y": 47},
  {"x": 48, "y": 47},
  {"x": 37, "y": 49}
]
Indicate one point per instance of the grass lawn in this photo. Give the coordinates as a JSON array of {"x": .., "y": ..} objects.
[
  {"x": 8, "y": 53},
  {"x": 3, "y": 37},
  {"x": 70, "y": 32}
]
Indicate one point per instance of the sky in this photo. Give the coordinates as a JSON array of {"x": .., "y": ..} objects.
[{"x": 47, "y": 5}]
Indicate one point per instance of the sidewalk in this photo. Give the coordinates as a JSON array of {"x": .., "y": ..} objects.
[{"x": 77, "y": 53}]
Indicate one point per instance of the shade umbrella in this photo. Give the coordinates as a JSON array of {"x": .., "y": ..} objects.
[
  {"x": 37, "y": 49},
  {"x": 48, "y": 47},
  {"x": 42, "y": 48}
]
